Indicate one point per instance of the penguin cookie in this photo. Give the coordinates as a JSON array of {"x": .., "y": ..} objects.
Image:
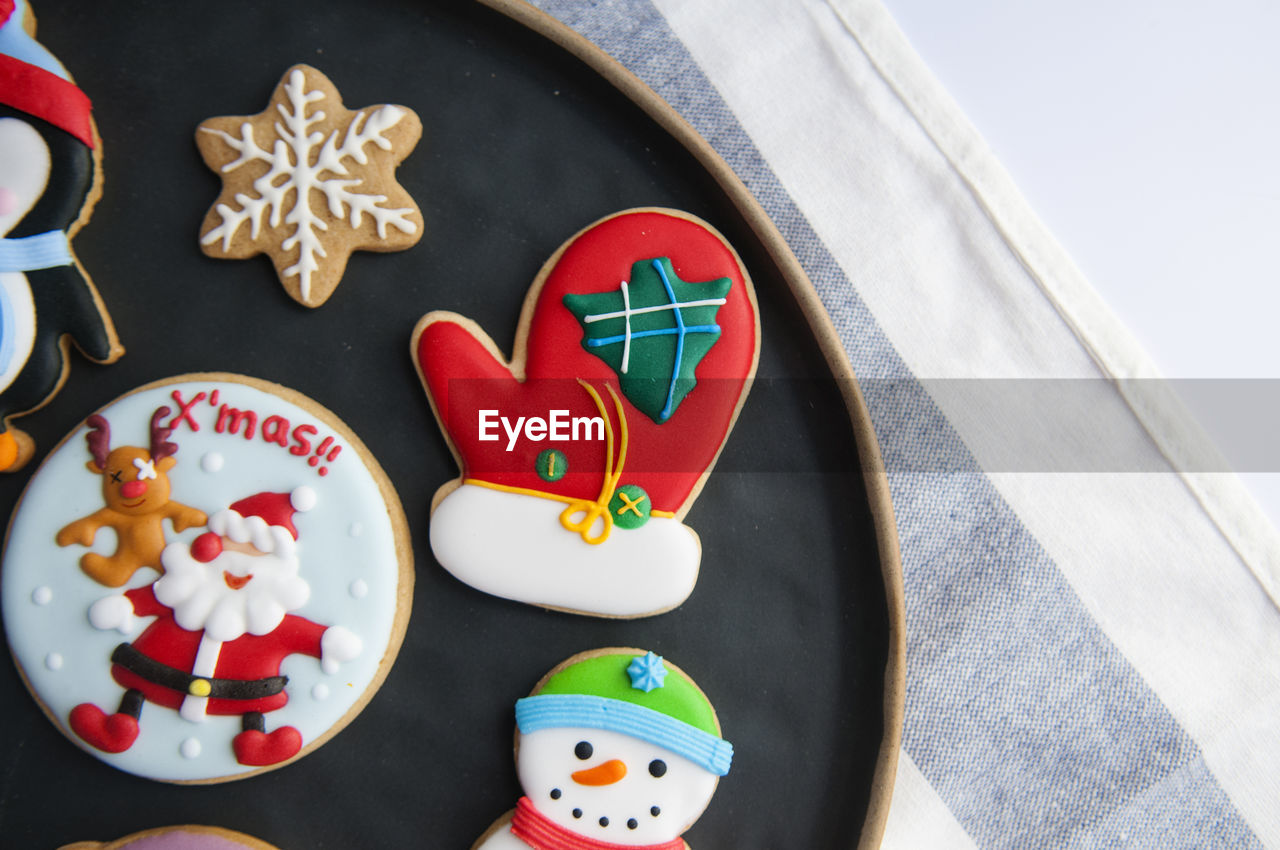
[
  {"x": 614, "y": 748},
  {"x": 582, "y": 454},
  {"x": 50, "y": 178}
]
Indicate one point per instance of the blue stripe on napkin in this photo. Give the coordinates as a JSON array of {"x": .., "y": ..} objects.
[{"x": 1025, "y": 718}]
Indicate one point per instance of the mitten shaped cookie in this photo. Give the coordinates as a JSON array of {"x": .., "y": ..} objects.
[{"x": 581, "y": 455}]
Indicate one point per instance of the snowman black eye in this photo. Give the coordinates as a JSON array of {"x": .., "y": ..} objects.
[
  {"x": 657, "y": 768},
  {"x": 583, "y": 750}
]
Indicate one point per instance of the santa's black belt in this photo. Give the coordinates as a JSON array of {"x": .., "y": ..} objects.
[{"x": 162, "y": 674}]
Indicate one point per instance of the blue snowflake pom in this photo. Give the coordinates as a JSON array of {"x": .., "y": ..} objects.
[{"x": 647, "y": 672}]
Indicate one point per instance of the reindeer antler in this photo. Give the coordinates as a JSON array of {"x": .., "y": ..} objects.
[
  {"x": 99, "y": 439},
  {"x": 160, "y": 445}
]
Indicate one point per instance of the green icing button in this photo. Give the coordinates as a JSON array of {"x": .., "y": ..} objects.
[
  {"x": 551, "y": 465},
  {"x": 629, "y": 506}
]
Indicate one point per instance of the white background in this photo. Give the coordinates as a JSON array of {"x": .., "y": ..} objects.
[{"x": 1147, "y": 136}]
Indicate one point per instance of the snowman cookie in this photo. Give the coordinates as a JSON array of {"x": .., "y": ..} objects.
[
  {"x": 614, "y": 748},
  {"x": 582, "y": 454},
  {"x": 209, "y": 579},
  {"x": 50, "y": 178},
  {"x": 178, "y": 838}
]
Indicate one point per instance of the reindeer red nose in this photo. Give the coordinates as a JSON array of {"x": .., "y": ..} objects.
[
  {"x": 133, "y": 489},
  {"x": 206, "y": 547}
]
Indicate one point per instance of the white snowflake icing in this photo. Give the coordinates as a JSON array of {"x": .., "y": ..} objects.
[{"x": 292, "y": 170}]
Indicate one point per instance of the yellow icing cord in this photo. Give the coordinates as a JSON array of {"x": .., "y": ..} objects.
[
  {"x": 599, "y": 509},
  {"x": 630, "y": 505},
  {"x": 663, "y": 514}
]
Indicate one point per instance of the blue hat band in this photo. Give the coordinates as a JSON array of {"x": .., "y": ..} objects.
[
  {"x": 31, "y": 253},
  {"x": 556, "y": 711}
]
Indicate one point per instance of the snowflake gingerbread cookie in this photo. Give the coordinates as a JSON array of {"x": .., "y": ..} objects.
[
  {"x": 161, "y": 649},
  {"x": 308, "y": 181},
  {"x": 178, "y": 838},
  {"x": 614, "y": 748},
  {"x": 50, "y": 179},
  {"x": 581, "y": 455}
]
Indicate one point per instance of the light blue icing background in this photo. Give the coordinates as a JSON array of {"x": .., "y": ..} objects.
[{"x": 332, "y": 558}]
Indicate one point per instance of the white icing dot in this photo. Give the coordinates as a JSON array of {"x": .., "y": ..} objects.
[
  {"x": 190, "y": 748},
  {"x": 303, "y": 498},
  {"x": 359, "y": 589},
  {"x": 320, "y": 692},
  {"x": 210, "y": 462},
  {"x": 53, "y": 661},
  {"x": 42, "y": 595},
  {"x": 356, "y": 529}
]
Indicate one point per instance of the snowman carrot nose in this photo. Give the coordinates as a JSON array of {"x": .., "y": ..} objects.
[{"x": 602, "y": 774}]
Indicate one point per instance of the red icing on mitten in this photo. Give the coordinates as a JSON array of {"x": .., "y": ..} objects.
[{"x": 464, "y": 374}]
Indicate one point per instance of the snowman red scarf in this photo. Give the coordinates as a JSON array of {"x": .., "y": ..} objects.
[{"x": 541, "y": 833}]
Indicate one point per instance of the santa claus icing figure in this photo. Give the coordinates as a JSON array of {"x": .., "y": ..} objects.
[{"x": 221, "y": 631}]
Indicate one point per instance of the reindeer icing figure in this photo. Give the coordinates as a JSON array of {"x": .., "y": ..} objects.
[{"x": 135, "y": 487}]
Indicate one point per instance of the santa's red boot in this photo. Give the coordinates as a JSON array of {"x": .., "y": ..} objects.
[
  {"x": 111, "y": 733},
  {"x": 256, "y": 748}
]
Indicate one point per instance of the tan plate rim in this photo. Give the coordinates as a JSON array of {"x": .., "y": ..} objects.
[{"x": 873, "y": 472}]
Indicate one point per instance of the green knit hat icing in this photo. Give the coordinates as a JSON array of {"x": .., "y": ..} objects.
[{"x": 607, "y": 676}]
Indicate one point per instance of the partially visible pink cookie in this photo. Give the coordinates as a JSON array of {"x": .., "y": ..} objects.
[{"x": 178, "y": 838}]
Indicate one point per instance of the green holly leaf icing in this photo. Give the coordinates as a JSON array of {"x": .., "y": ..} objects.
[{"x": 653, "y": 331}]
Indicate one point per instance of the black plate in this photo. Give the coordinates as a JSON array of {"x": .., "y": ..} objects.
[{"x": 788, "y": 630}]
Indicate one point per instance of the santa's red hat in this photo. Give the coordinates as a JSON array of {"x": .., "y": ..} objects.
[
  {"x": 264, "y": 520},
  {"x": 33, "y": 81}
]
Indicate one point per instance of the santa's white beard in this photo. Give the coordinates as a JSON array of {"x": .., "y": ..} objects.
[{"x": 201, "y": 599}]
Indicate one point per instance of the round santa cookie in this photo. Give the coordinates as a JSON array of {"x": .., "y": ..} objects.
[
  {"x": 208, "y": 579},
  {"x": 581, "y": 455},
  {"x": 178, "y": 838},
  {"x": 50, "y": 178},
  {"x": 615, "y": 748}
]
